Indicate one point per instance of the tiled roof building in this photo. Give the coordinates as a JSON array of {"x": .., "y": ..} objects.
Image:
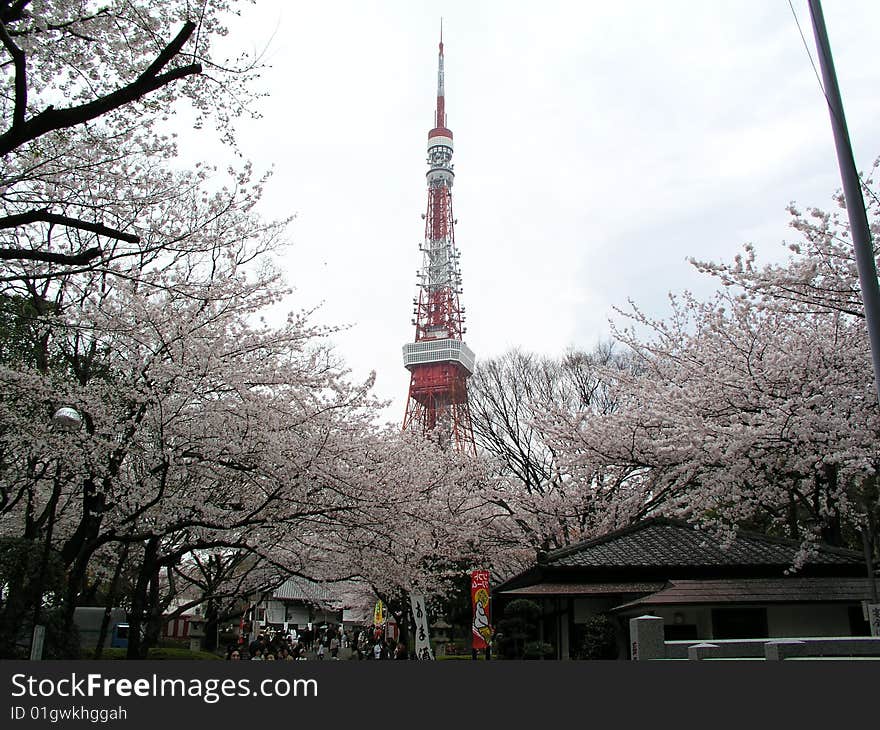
[{"x": 702, "y": 586}]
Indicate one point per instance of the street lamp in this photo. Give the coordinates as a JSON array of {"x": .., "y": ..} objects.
[{"x": 69, "y": 420}]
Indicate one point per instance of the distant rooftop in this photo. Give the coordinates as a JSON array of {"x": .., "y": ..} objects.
[
  {"x": 664, "y": 542},
  {"x": 755, "y": 591},
  {"x": 302, "y": 589}
]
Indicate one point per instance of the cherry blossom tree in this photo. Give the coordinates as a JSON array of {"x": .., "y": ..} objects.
[
  {"x": 753, "y": 408},
  {"x": 86, "y": 87},
  {"x": 204, "y": 429},
  {"x": 132, "y": 292},
  {"x": 419, "y": 519},
  {"x": 820, "y": 275}
]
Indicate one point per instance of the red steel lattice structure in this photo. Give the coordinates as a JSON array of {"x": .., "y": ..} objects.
[{"x": 439, "y": 361}]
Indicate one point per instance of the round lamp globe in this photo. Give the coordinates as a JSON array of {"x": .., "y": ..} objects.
[{"x": 67, "y": 419}]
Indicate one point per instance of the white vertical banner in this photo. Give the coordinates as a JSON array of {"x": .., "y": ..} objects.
[
  {"x": 874, "y": 618},
  {"x": 420, "y": 617},
  {"x": 37, "y": 642}
]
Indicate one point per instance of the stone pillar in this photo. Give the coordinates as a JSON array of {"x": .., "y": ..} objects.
[
  {"x": 646, "y": 638},
  {"x": 783, "y": 648},
  {"x": 196, "y": 633},
  {"x": 702, "y": 651}
]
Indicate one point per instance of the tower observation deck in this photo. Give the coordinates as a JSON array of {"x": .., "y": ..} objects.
[{"x": 438, "y": 359}]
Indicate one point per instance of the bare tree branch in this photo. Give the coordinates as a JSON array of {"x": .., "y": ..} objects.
[
  {"x": 169, "y": 52},
  {"x": 44, "y": 216},
  {"x": 23, "y": 254},
  {"x": 52, "y": 119},
  {"x": 14, "y": 11},
  {"x": 18, "y": 59}
]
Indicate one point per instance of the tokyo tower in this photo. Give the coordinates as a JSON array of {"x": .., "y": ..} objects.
[{"x": 439, "y": 361}]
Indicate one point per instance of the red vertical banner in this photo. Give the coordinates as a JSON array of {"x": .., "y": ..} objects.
[{"x": 481, "y": 627}]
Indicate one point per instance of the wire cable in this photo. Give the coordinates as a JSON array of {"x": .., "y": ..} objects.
[{"x": 865, "y": 188}]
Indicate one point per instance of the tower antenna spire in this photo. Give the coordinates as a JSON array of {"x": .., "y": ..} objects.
[{"x": 440, "y": 114}]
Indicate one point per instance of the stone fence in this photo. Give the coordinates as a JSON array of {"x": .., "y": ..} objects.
[{"x": 647, "y": 643}]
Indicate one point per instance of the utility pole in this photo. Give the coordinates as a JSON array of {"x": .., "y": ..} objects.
[
  {"x": 858, "y": 224},
  {"x": 852, "y": 191}
]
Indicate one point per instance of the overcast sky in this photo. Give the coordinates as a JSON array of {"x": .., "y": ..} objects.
[{"x": 597, "y": 145}]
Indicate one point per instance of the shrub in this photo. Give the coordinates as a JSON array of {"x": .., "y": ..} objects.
[
  {"x": 517, "y": 628},
  {"x": 538, "y": 650},
  {"x": 600, "y": 639}
]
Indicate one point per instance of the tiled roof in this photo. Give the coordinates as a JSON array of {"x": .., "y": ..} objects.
[
  {"x": 662, "y": 542},
  {"x": 302, "y": 589},
  {"x": 756, "y": 590}
]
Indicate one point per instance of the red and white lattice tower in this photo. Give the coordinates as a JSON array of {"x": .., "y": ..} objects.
[{"x": 439, "y": 361}]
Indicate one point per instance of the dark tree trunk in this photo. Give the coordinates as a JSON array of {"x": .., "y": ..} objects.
[
  {"x": 19, "y": 602},
  {"x": 832, "y": 529},
  {"x": 111, "y": 599},
  {"x": 212, "y": 621},
  {"x": 80, "y": 547},
  {"x": 791, "y": 514},
  {"x": 139, "y": 601}
]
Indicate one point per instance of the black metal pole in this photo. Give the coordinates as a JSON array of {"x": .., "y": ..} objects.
[
  {"x": 858, "y": 223},
  {"x": 852, "y": 190}
]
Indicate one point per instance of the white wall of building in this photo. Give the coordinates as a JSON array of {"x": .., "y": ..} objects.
[
  {"x": 274, "y": 612},
  {"x": 826, "y": 619},
  {"x": 298, "y": 614}
]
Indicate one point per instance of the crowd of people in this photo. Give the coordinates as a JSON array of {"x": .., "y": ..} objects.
[{"x": 324, "y": 642}]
